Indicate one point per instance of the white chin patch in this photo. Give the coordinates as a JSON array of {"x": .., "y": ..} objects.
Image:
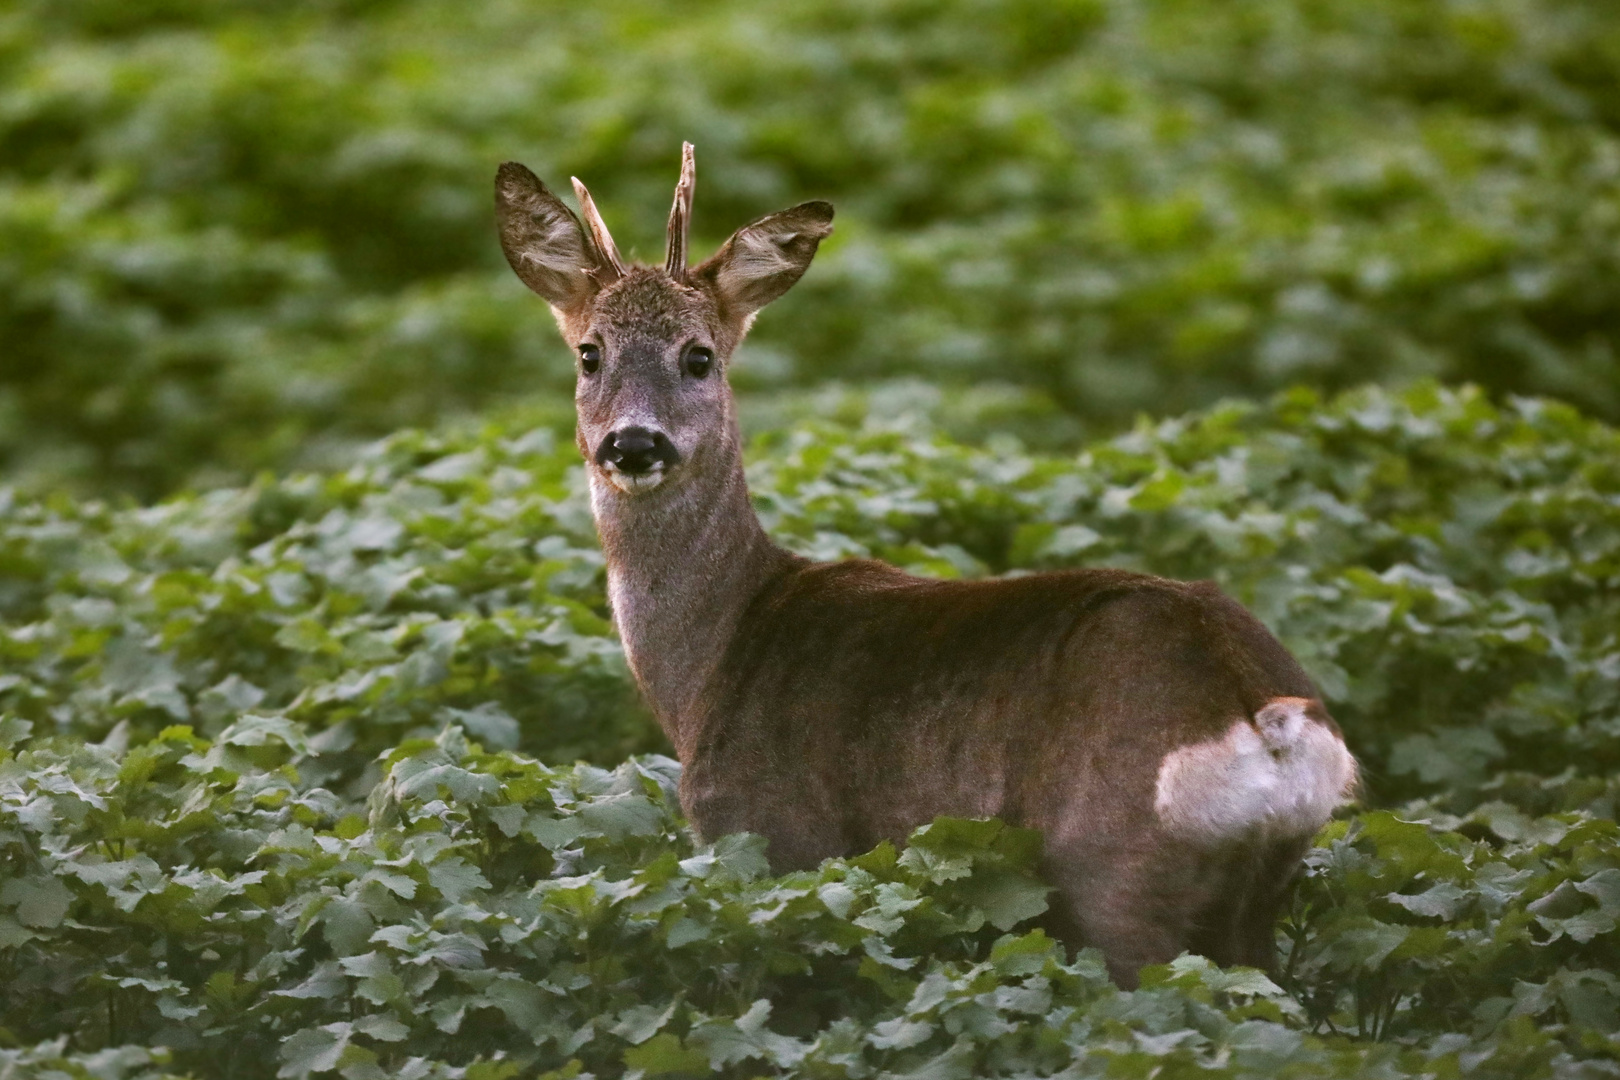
[{"x": 636, "y": 485}]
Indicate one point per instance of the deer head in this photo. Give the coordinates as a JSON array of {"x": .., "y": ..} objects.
[{"x": 653, "y": 344}]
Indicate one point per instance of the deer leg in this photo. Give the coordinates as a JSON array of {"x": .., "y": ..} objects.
[
  {"x": 1249, "y": 881},
  {"x": 1254, "y": 937},
  {"x": 1138, "y": 906}
]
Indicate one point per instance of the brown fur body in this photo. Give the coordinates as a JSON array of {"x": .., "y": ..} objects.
[{"x": 862, "y": 702}]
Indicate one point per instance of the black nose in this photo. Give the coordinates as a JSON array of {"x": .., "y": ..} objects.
[{"x": 636, "y": 450}]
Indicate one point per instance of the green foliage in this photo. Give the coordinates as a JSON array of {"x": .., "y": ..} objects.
[
  {"x": 270, "y": 803},
  {"x": 420, "y": 587},
  {"x": 235, "y": 234}
]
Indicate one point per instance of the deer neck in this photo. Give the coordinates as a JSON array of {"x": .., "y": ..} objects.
[{"x": 683, "y": 564}]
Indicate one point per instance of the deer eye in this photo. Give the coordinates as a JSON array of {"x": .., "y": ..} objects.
[
  {"x": 590, "y": 358},
  {"x": 698, "y": 361}
]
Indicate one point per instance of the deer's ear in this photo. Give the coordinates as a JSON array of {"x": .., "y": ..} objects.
[
  {"x": 761, "y": 261},
  {"x": 543, "y": 240}
]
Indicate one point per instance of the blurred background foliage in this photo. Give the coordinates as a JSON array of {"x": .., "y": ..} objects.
[{"x": 237, "y": 235}]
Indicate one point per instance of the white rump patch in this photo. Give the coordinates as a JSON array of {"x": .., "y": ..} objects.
[{"x": 1280, "y": 774}]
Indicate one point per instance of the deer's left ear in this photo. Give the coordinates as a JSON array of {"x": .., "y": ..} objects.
[{"x": 762, "y": 260}]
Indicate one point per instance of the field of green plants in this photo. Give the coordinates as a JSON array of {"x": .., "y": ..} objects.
[
  {"x": 319, "y": 756},
  {"x": 288, "y": 789}
]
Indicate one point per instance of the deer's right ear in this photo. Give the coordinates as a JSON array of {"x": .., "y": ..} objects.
[{"x": 543, "y": 240}]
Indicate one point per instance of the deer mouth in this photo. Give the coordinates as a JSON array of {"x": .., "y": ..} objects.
[
  {"x": 636, "y": 459},
  {"x": 637, "y": 483}
]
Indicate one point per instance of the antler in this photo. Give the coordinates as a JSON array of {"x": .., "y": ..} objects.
[
  {"x": 680, "y": 216},
  {"x": 610, "y": 266}
]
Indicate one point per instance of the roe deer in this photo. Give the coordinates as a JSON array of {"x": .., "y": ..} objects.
[{"x": 1175, "y": 756}]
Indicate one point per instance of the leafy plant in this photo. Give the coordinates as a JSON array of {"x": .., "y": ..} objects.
[{"x": 273, "y": 799}]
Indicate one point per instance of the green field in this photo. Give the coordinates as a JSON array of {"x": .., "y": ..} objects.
[
  {"x": 319, "y": 756},
  {"x": 273, "y": 796}
]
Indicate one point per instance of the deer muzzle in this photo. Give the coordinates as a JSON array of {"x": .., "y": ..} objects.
[{"x": 636, "y": 458}]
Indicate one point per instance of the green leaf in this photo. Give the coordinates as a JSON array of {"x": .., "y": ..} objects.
[
  {"x": 13, "y": 730},
  {"x": 39, "y": 901},
  {"x": 621, "y": 816},
  {"x": 901, "y": 1034},
  {"x": 12, "y": 933},
  {"x": 1023, "y": 955},
  {"x": 381, "y": 1027},
  {"x": 265, "y": 731},
  {"x": 347, "y": 925},
  {"x": 313, "y": 1050},
  {"x": 1006, "y": 899},
  {"x": 455, "y": 878},
  {"x": 490, "y": 723},
  {"x": 731, "y": 1041},
  {"x": 955, "y": 1063},
  {"x": 1442, "y": 901},
  {"x": 663, "y": 1055},
  {"x": 526, "y": 1006},
  {"x": 639, "y": 1023},
  {"x": 326, "y": 981},
  {"x": 738, "y": 857}
]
